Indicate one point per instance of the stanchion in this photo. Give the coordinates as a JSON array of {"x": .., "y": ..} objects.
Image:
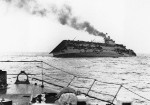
[
  {"x": 42, "y": 75},
  {"x": 117, "y": 93}
]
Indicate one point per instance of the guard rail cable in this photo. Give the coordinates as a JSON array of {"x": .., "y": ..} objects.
[
  {"x": 121, "y": 85},
  {"x": 90, "y": 89}
]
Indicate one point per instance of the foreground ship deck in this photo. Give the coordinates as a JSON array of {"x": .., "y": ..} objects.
[{"x": 22, "y": 94}]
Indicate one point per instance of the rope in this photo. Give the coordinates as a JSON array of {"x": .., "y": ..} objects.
[
  {"x": 27, "y": 74},
  {"x": 94, "y": 81},
  {"x": 48, "y": 82},
  {"x": 56, "y": 84},
  {"x": 136, "y": 94},
  {"x": 21, "y": 61},
  {"x": 59, "y": 69},
  {"x": 77, "y": 87},
  {"x": 76, "y": 75}
]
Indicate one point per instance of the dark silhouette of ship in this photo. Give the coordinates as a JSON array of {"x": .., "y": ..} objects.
[{"x": 72, "y": 48}]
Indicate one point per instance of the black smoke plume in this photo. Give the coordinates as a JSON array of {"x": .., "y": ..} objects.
[{"x": 64, "y": 15}]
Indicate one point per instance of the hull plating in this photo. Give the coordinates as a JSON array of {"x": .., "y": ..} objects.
[
  {"x": 70, "y": 48},
  {"x": 90, "y": 54}
]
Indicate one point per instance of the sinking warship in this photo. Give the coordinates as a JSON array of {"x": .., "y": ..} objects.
[{"x": 72, "y": 48}]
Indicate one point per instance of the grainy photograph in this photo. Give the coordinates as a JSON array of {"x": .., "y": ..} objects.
[{"x": 74, "y": 52}]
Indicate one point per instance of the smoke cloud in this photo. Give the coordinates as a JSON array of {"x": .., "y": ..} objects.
[{"x": 64, "y": 15}]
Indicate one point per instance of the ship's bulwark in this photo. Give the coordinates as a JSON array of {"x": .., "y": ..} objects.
[{"x": 71, "y": 48}]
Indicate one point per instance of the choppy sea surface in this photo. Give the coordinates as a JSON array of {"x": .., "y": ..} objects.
[{"x": 132, "y": 72}]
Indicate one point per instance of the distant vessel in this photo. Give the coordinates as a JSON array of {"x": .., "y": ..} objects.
[{"x": 72, "y": 48}]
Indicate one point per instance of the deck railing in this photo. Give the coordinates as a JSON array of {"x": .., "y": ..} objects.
[{"x": 75, "y": 76}]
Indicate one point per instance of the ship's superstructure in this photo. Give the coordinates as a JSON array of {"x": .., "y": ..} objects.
[{"x": 72, "y": 48}]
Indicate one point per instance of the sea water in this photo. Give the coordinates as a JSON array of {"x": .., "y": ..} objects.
[{"x": 132, "y": 72}]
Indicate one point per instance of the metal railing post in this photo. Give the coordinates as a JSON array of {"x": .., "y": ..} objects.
[
  {"x": 91, "y": 86},
  {"x": 117, "y": 93},
  {"x": 42, "y": 75}
]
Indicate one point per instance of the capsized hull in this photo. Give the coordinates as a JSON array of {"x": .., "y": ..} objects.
[
  {"x": 69, "y": 48},
  {"x": 91, "y": 54}
]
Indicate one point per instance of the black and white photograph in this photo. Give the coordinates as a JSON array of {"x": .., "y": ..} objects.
[{"x": 74, "y": 52}]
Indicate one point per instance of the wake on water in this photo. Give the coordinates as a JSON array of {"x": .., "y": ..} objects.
[{"x": 132, "y": 72}]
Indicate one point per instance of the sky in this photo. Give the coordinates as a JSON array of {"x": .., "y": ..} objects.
[{"x": 37, "y": 26}]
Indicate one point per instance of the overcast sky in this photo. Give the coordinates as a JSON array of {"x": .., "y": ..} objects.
[{"x": 22, "y": 30}]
